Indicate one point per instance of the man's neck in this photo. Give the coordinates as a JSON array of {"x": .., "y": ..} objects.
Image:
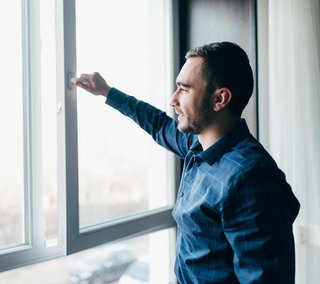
[{"x": 216, "y": 131}]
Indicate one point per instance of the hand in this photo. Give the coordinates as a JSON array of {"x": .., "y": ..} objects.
[{"x": 93, "y": 83}]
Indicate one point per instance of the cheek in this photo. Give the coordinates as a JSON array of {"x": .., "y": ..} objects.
[{"x": 188, "y": 104}]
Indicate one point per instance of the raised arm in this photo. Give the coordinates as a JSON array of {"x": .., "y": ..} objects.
[{"x": 157, "y": 123}]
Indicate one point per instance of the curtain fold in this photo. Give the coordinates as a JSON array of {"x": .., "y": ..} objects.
[{"x": 294, "y": 118}]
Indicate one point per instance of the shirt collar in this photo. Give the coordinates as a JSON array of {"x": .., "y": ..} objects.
[{"x": 223, "y": 145}]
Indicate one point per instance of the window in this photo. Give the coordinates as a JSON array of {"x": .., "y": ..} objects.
[
  {"x": 11, "y": 125},
  {"x": 118, "y": 164},
  {"x": 75, "y": 174}
]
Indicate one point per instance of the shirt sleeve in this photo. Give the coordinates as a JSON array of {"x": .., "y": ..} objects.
[
  {"x": 157, "y": 123},
  {"x": 257, "y": 219}
]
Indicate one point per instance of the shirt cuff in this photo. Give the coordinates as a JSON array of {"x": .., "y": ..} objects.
[{"x": 116, "y": 98}]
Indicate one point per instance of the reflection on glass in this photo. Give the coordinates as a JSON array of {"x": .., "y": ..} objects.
[
  {"x": 11, "y": 127},
  {"x": 121, "y": 170},
  {"x": 139, "y": 260}
]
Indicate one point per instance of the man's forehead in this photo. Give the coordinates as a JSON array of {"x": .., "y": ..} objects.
[{"x": 192, "y": 68}]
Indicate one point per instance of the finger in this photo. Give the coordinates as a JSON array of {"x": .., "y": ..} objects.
[
  {"x": 83, "y": 80},
  {"x": 86, "y": 76},
  {"x": 76, "y": 80},
  {"x": 89, "y": 79},
  {"x": 85, "y": 85}
]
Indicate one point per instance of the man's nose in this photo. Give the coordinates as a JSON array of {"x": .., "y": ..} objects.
[{"x": 174, "y": 99}]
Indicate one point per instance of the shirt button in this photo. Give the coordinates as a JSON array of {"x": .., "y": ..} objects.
[{"x": 181, "y": 194}]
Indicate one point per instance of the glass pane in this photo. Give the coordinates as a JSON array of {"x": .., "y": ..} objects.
[
  {"x": 121, "y": 170},
  {"x": 11, "y": 127},
  {"x": 143, "y": 259}
]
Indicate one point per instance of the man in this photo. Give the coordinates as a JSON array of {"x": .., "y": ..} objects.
[{"x": 234, "y": 209}]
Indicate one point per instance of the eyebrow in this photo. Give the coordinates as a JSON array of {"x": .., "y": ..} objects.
[{"x": 183, "y": 85}]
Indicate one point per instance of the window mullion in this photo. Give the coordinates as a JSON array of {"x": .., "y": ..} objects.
[
  {"x": 25, "y": 14},
  {"x": 33, "y": 217},
  {"x": 34, "y": 126},
  {"x": 67, "y": 124}
]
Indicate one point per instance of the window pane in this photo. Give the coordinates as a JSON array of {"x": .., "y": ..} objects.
[
  {"x": 121, "y": 170},
  {"x": 11, "y": 127},
  {"x": 143, "y": 259}
]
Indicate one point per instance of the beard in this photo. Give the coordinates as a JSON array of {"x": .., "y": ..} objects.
[{"x": 196, "y": 122}]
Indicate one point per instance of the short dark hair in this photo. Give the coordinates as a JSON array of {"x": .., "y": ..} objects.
[{"x": 226, "y": 65}]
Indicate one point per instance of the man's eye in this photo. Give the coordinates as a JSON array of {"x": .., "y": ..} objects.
[{"x": 184, "y": 90}]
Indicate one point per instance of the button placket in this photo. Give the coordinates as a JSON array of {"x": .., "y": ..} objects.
[{"x": 196, "y": 161}]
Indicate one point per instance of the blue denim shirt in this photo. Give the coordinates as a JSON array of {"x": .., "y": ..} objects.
[{"x": 234, "y": 209}]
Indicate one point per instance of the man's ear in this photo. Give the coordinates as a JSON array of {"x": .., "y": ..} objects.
[{"x": 221, "y": 99}]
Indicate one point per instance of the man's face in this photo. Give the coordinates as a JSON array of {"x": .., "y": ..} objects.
[{"x": 191, "y": 102}]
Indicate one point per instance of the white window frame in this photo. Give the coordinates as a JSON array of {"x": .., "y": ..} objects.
[
  {"x": 70, "y": 238},
  {"x": 34, "y": 247}
]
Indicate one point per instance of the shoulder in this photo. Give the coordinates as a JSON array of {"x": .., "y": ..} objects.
[
  {"x": 240, "y": 162},
  {"x": 250, "y": 169},
  {"x": 246, "y": 157}
]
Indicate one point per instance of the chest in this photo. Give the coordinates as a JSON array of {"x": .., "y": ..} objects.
[{"x": 199, "y": 198}]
